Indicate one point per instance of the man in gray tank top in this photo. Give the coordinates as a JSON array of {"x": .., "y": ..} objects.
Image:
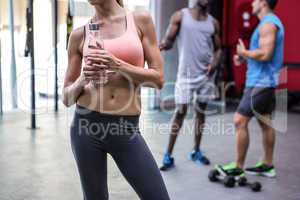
[{"x": 199, "y": 49}]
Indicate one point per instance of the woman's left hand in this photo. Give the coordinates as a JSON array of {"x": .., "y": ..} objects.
[{"x": 100, "y": 56}]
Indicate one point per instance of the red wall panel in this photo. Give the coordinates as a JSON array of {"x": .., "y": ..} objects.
[{"x": 289, "y": 13}]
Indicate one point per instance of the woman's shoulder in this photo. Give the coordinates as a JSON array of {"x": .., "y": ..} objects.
[
  {"x": 142, "y": 16},
  {"x": 143, "y": 20},
  {"x": 78, "y": 33},
  {"x": 77, "y": 38}
]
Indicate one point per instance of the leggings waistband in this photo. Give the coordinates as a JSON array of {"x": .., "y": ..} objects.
[{"x": 95, "y": 116}]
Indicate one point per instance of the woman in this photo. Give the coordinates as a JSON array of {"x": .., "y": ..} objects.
[{"x": 106, "y": 117}]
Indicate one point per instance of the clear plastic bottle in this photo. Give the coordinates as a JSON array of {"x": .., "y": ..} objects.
[{"x": 95, "y": 42}]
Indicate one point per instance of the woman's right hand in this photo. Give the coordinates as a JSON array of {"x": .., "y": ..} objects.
[{"x": 92, "y": 72}]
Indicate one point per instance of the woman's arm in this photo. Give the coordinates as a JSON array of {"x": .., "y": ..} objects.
[
  {"x": 75, "y": 81},
  {"x": 154, "y": 75}
]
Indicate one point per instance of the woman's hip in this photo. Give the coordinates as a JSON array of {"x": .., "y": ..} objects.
[{"x": 104, "y": 128}]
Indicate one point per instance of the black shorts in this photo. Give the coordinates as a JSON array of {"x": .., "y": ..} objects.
[{"x": 257, "y": 101}]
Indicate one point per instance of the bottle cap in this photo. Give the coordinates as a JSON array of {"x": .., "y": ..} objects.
[{"x": 94, "y": 26}]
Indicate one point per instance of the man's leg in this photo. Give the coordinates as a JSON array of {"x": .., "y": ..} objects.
[
  {"x": 178, "y": 118},
  {"x": 268, "y": 138},
  {"x": 265, "y": 167},
  {"x": 197, "y": 154},
  {"x": 199, "y": 123},
  {"x": 241, "y": 124},
  {"x": 183, "y": 96},
  {"x": 177, "y": 122},
  {"x": 264, "y": 102}
]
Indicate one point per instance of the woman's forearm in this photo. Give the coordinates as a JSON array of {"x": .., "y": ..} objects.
[
  {"x": 141, "y": 76},
  {"x": 73, "y": 91}
]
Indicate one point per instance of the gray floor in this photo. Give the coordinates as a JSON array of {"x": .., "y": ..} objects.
[{"x": 40, "y": 166}]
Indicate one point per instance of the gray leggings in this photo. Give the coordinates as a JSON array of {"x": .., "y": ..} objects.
[{"x": 95, "y": 134}]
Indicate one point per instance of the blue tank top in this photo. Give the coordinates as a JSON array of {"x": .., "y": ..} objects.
[{"x": 266, "y": 74}]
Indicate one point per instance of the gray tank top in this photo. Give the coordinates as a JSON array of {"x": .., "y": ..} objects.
[{"x": 195, "y": 46}]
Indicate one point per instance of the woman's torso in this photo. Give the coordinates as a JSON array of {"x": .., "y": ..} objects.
[{"x": 120, "y": 95}]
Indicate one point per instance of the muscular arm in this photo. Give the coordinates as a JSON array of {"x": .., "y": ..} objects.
[
  {"x": 172, "y": 31},
  {"x": 73, "y": 83},
  {"x": 266, "y": 44},
  {"x": 153, "y": 76},
  {"x": 217, "y": 44}
]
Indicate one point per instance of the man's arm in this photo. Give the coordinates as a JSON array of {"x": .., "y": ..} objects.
[
  {"x": 172, "y": 31},
  {"x": 218, "y": 48},
  {"x": 266, "y": 44}
]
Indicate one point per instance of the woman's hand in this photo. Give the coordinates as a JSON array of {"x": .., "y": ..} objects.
[
  {"x": 92, "y": 72},
  {"x": 100, "y": 58}
]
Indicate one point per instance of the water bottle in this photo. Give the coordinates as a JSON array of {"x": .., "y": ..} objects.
[{"x": 95, "y": 42}]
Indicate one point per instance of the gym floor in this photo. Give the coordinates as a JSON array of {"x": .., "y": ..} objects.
[{"x": 39, "y": 165}]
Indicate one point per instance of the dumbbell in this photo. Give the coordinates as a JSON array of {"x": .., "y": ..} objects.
[
  {"x": 255, "y": 186},
  {"x": 215, "y": 176}
]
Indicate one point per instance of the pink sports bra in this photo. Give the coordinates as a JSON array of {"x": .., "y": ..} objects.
[{"x": 127, "y": 47}]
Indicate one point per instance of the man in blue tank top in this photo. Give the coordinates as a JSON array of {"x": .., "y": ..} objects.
[
  {"x": 264, "y": 59},
  {"x": 199, "y": 48}
]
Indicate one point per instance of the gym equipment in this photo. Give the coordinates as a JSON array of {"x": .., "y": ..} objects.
[
  {"x": 29, "y": 50},
  {"x": 216, "y": 175},
  {"x": 70, "y": 16},
  {"x": 255, "y": 186},
  {"x": 55, "y": 55}
]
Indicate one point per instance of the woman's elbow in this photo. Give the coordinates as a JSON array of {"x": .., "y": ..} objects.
[
  {"x": 66, "y": 103},
  {"x": 65, "y": 100},
  {"x": 161, "y": 77},
  {"x": 160, "y": 83}
]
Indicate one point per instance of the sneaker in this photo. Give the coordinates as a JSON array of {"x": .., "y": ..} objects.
[
  {"x": 231, "y": 170},
  {"x": 168, "y": 162},
  {"x": 198, "y": 157},
  {"x": 262, "y": 169}
]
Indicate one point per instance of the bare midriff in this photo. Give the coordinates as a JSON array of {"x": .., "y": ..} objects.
[{"x": 119, "y": 96}]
